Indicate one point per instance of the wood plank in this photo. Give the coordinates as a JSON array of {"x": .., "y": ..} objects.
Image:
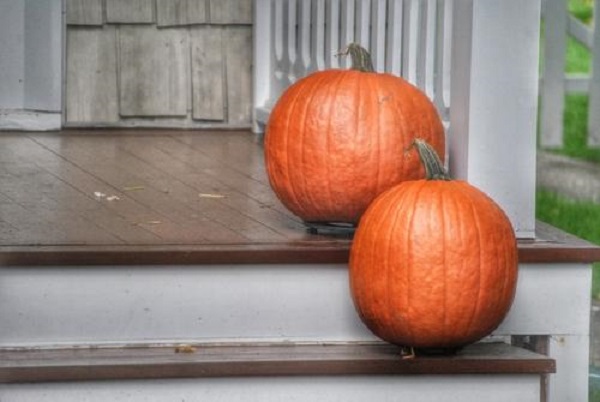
[
  {"x": 142, "y": 219},
  {"x": 230, "y": 12},
  {"x": 91, "y": 82},
  {"x": 27, "y": 207},
  {"x": 60, "y": 190},
  {"x": 231, "y": 206},
  {"x": 209, "y": 160},
  {"x": 207, "y": 74},
  {"x": 7, "y": 231},
  {"x": 299, "y": 252},
  {"x": 238, "y": 62},
  {"x": 153, "y": 71},
  {"x": 84, "y": 12},
  {"x": 552, "y": 245},
  {"x": 181, "y": 12},
  {"x": 197, "y": 361},
  {"x": 306, "y": 249},
  {"x": 130, "y": 11},
  {"x": 181, "y": 218},
  {"x": 32, "y": 205}
]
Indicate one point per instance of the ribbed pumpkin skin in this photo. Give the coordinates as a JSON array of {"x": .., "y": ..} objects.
[
  {"x": 338, "y": 138},
  {"x": 433, "y": 265}
]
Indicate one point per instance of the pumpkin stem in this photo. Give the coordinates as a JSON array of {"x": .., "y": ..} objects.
[
  {"x": 434, "y": 168},
  {"x": 360, "y": 57}
]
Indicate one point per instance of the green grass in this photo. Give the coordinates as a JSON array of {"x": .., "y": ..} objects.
[
  {"x": 582, "y": 9},
  {"x": 578, "y": 58},
  {"x": 594, "y": 395},
  {"x": 575, "y": 130}
]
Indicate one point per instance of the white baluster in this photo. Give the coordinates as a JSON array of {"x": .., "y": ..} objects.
[
  {"x": 410, "y": 40},
  {"x": 444, "y": 58},
  {"x": 332, "y": 33},
  {"x": 427, "y": 54},
  {"x": 362, "y": 22},
  {"x": 394, "y": 37},
  {"x": 277, "y": 44},
  {"x": 291, "y": 15},
  {"x": 301, "y": 66},
  {"x": 317, "y": 51},
  {"x": 347, "y": 28},
  {"x": 378, "y": 29}
]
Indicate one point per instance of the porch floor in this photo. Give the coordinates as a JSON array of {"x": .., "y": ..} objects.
[{"x": 161, "y": 196}]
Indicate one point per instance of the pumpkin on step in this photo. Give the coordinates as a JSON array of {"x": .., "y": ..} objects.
[
  {"x": 434, "y": 262},
  {"x": 338, "y": 138}
]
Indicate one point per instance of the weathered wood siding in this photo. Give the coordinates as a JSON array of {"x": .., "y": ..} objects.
[
  {"x": 92, "y": 91},
  {"x": 207, "y": 74},
  {"x": 84, "y": 12},
  {"x": 180, "y": 12},
  {"x": 153, "y": 71},
  {"x": 175, "y": 63},
  {"x": 130, "y": 11}
]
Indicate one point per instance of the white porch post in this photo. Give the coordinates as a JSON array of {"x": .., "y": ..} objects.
[
  {"x": 492, "y": 140},
  {"x": 262, "y": 57},
  {"x": 31, "y": 34}
]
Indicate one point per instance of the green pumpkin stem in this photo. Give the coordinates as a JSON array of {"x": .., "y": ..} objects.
[
  {"x": 434, "y": 168},
  {"x": 360, "y": 57}
]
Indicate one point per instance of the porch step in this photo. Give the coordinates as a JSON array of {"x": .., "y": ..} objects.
[
  {"x": 284, "y": 359},
  {"x": 351, "y": 372}
]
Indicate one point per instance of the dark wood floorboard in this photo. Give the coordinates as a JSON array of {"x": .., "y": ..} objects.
[
  {"x": 144, "y": 196},
  {"x": 138, "y": 187}
]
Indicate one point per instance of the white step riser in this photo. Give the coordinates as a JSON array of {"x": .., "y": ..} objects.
[
  {"x": 456, "y": 388},
  {"x": 94, "y": 305}
]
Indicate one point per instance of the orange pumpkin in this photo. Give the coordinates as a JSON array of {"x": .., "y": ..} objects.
[
  {"x": 434, "y": 262},
  {"x": 338, "y": 138}
]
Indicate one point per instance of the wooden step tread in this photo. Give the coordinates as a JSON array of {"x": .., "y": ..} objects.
[
  {"x": 203, "y": 198},
  {"x": 282, "y": 359},
  {"x": 550, "y": 246}
]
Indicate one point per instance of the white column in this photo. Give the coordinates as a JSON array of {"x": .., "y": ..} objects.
[
  {"x": 492, "y": 140},
  {"x": 43, "y": 55},
  {"x": 12, "y": 48},
  {"x": 31, "y": 46}
]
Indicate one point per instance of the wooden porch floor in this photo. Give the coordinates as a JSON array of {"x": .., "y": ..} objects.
[{"x": 159, "y": 196}]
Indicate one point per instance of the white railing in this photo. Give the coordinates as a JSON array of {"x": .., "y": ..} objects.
[
  {"x": 406, "y": 38},
  {"x": 476, "y": 59},
  {"x": 555, "y": 84}
]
